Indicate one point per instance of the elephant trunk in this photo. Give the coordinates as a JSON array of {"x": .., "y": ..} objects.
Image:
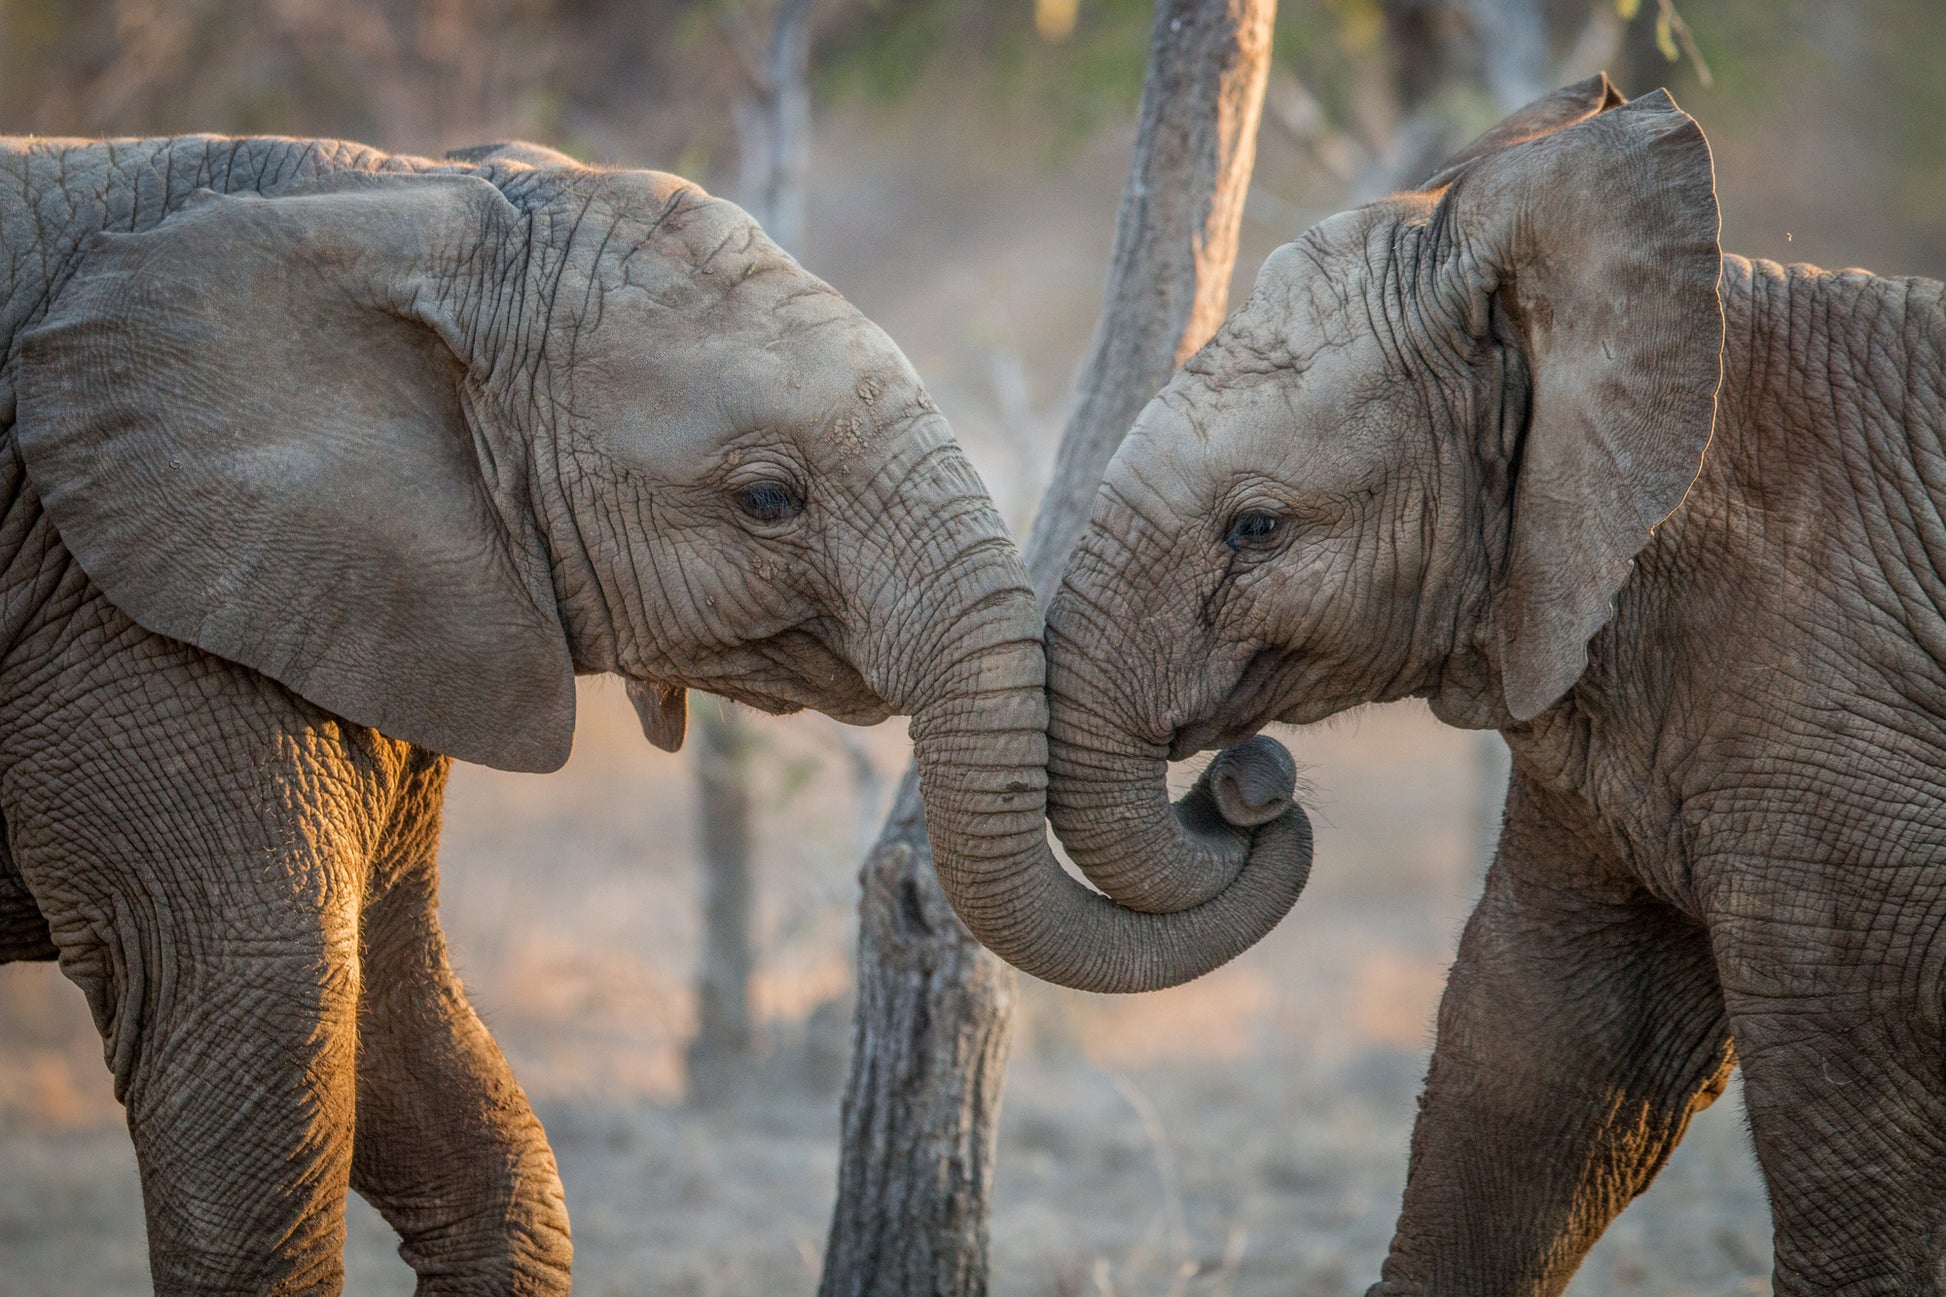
[
  {"x": 980, "y": 742},
  {"x": 1108, "y": 794}
]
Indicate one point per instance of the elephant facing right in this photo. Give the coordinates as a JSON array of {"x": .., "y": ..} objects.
[{"x": 1525, "y": 444}]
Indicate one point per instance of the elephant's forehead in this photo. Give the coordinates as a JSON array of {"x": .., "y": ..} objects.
[
  {"x": 1311, "y": 291},
  {"x": 677, "y": 219},
  {"x": 1329, "y": 253},
  {"x": 649, "y": 190},
  {"x": 831, "y": 387},
  {"x": 783, "y": 335},
  {"x": 674, "y": 247},
  {"x": 1308, "y": 421}
]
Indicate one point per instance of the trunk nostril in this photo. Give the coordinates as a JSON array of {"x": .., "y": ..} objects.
[{"x": 1252, "y": 783}]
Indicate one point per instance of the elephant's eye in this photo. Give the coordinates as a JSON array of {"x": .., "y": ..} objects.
[
  {"x": 1252, "y": 528},
  {"x": 769, "y": 501}
]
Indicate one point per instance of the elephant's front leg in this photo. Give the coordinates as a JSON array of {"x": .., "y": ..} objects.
[
  {"x": 240, "y": 1098},
  {"x": 203, "y": 885},
  {"x": 1581, "y": 1027},
  {"x": 201, "y": 842},
  {"x": 448, "y": 1149}
]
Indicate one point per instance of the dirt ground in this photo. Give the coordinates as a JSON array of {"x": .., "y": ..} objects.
[{"x": 1242, "y": 1135}]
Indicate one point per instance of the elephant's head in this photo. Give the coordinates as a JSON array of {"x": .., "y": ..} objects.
[
  {"x": 1419, "y": 461},
  {"x": 421, "y": 445}
]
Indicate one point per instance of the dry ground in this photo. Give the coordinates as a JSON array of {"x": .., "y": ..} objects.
[{"x": 1243, "y": 1135}]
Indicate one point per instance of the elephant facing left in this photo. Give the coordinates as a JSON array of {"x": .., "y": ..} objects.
[{"x": 321, "y": 466}]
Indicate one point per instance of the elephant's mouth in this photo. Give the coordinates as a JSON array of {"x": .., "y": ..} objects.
[
  {"x": 1278, "y": 684},
  {"x": 1244, "y": 708},
  {"x": 794, "y": 670},
  {"x": 1204, "y": 736},
  {"x": 769, "y": 704},
  {"x": 864, "y": 711}
]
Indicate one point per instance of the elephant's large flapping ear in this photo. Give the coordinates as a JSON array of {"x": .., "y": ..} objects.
[
  {"x": 249, "y": 425},
  {"x": 1592, "y": 252},
  {"x": 1551, "y": 112}
]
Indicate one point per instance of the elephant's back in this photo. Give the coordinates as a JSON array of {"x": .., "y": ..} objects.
[{"x": 56, "y": 193}]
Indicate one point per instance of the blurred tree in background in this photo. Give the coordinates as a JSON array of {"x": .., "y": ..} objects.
[{"x": 773, "y": 123}]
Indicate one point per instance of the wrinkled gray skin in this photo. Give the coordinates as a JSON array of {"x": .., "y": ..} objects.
[
  {"x": 321, "y": 466},
  {"x": 1424, "y": 460}
]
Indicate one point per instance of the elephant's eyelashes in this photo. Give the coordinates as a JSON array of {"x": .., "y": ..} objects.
[
  {"x": 1252, "y": 529},
  {"x": 769, "y": 501}
]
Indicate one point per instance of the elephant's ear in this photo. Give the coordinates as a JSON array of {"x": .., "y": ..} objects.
[
  {"x": 1551, "y": 112},
  {"x": 1592, "y": 252},
  {"x": 250, "y": 426}
]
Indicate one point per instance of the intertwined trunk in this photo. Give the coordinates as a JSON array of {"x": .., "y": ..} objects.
[{"x": 930, "y": 1042}]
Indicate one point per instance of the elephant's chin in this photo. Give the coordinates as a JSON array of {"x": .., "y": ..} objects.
[{"x": 782, "y": 698}]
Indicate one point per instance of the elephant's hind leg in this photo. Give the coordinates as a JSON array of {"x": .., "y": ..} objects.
[
  {"x": 1836, "y": 990},
  {"x": 447, "y": 1148}
]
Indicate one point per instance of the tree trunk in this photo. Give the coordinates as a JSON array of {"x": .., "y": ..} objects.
[
  {"x": 773, "y": 126},
  {"x": 932, "y": 1032},
  {"x": 773, "y": 134},
  {"x": 1514, "y": 62},
  {"x": 930, "y": 1036},
  {"x": 718, "y": 1058}
]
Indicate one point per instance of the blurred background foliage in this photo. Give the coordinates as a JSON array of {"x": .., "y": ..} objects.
[{"x": 653, "y": 80}]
